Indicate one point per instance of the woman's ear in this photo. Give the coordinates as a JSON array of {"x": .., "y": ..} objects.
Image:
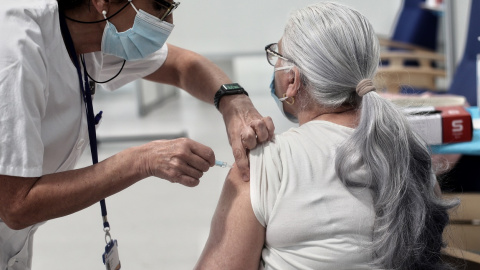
[
  {"x": 293, "y": 82},
  {"x": 100, "y": 5}
]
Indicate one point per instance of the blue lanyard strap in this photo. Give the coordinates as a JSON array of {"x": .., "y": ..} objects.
[{"x": 87, "y": 98}]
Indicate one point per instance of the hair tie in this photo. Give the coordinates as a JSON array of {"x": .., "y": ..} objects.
[{"x": 364, "y": 86}]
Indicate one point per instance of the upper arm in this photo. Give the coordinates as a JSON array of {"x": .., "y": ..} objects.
[
  {"x": 191, "y": 72},
  {"x": 236, "y": 237},
  {"x": 177, "y": 63}
]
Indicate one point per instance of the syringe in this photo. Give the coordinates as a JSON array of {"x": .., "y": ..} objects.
[{"x": 222, "y": 164}]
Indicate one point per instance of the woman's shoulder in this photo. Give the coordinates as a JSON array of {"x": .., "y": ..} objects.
[
  {"x": 318, "y": 136},
  {"x": 325, "y": 126},
  {"x": 314, "y": 130}
]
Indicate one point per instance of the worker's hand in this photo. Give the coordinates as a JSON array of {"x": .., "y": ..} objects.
[
  {"x": 245, "y": 128},
  {"x": 179, "y": 161}
]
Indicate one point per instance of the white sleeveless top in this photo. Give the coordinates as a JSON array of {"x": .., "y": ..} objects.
[{"x": 312, "y": 220}]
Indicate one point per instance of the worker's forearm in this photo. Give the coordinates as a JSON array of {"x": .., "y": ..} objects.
[{"x": 63, "y": 193}]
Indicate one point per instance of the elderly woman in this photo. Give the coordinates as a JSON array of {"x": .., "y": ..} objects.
[{"x": 352, "y": 187}]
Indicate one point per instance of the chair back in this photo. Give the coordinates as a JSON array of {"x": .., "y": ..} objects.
[{"x": 464, "y": 82}]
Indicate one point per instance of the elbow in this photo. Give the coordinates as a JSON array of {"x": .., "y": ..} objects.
[
  {"x": 16, "y": 225},
  {"x": 15, "y": 218}
]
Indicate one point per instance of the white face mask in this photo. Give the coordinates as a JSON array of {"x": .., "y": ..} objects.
[
  {"x": 279, "y": 101},
  {"x": 147, "y": 35}
]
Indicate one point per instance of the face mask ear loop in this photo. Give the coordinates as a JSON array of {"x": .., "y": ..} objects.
[
  {"x": 282, "y": 68},
  {"x": 283, "y": 98},
  {"x": 133, "y": 5}
]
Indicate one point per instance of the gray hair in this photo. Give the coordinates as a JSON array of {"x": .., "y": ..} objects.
[
  {"x": 335, "y": 48},
  {"x": 333, "y": 57}
]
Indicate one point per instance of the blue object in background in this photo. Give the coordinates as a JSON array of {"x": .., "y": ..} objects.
[
  {"x": 416, "y": 25},
  {"x": 464, "y": 81}
]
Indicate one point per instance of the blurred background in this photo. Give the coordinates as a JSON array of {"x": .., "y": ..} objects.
[{"x": 160, "y": 225}]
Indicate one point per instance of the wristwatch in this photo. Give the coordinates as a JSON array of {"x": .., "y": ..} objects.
[{"x": 228, "y": 89}]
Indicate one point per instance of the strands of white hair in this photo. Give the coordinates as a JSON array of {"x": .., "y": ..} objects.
[{"x": 335, "y": 47}]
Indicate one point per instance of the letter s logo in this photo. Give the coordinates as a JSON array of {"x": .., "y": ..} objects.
[{"x": 457, "y": 125}]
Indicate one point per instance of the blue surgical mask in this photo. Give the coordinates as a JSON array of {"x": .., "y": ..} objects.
[
  {"x": 279, "y": 101},
  {"x": 147, "y": 35}
]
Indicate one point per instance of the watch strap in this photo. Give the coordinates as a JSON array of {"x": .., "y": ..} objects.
[{"x": 226, "y": 90}]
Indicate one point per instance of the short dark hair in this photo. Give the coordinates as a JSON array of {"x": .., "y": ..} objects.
[{"x": 71, "y": 4}]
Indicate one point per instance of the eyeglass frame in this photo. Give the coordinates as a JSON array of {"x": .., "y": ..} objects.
[
  {"x": 268, "y": 51},
  {"x": 169, "y": 6}
]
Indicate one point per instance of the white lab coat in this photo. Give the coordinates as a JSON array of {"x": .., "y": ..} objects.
[{"x": 43, "y": 127}]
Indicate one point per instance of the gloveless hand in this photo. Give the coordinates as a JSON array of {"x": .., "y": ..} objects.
[
  {"x": 245, "y": 128},
  {"x": 180, "y": 161}
]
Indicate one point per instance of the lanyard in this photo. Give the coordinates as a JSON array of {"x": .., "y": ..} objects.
[{"x": 87, "y": 98}]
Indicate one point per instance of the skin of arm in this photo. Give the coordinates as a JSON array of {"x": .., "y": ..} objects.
[
  {"x": 201, "y": 78},
  {"x": 236, "y": 237},
  {"x": 26, "y": 201}
]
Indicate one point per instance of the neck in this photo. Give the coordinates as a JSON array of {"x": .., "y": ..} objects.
[
  {"x": 86, "y": 37},
  {"x": 344, "y": 115}
]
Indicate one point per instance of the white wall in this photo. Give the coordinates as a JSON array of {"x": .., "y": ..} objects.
[
  {"x": 220, "y": 26},
  {"x": 230, "y": 27},
  {"x": 461, "y": 17},
  {"x": 225, "y": 27}
]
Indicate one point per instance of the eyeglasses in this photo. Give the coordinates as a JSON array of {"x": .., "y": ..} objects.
[
  {"x": 169, "y": 6},
  {"x": 273, "y": 55}
]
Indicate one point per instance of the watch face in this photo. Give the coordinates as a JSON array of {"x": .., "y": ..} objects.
[
  {"x": 233, "y": 86},
  {"x": 228, "y": 89}
]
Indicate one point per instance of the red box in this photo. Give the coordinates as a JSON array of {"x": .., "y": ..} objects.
[{"x": 441, "y": 125}]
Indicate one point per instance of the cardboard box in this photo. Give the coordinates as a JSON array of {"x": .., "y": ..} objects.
[{"x": 441, "y": 125}]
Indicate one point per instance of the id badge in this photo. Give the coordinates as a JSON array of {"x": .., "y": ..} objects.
[{"x": 110, "y": 257}]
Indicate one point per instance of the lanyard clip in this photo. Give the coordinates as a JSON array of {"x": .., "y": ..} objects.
[
  {"x": 93, "y": 87},
  {"x": 108, "y": 237}
]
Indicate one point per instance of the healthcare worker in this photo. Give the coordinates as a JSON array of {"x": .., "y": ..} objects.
[{"x": 50, "y": 53}]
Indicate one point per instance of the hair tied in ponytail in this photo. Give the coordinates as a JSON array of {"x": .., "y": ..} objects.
[{"x": 365, "y": 86}]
